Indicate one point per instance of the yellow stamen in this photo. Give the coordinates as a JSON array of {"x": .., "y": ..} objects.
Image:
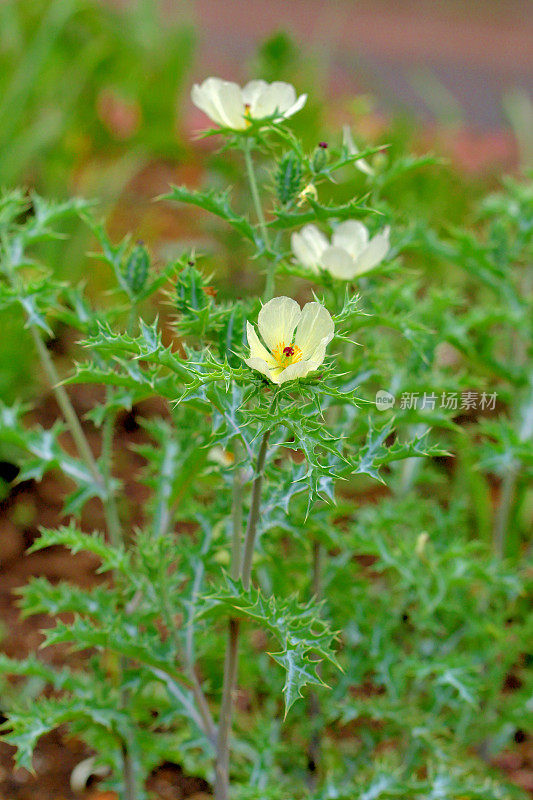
[{"x": 285, "y": 355}]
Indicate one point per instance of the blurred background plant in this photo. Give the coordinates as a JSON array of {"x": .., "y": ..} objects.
[{"x": 90, "y": 94}]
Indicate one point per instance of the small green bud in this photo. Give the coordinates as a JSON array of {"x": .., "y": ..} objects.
[
  {"x": 137, "y": 267},
  {"x": 288, "y": 178},
  {"x": 191, "y": 292},
  {"x": 320, "y": 157}
]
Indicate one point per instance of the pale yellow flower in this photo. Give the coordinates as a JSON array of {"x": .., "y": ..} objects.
[
  {"x": 231, "y": 106},
  {"x": 293, "y": 342},
  {"x": 350, "y": 254}
]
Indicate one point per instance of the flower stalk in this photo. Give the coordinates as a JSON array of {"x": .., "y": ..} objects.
[
  {"x": 232, "y": 653},
  {"x": 252, "y": 180}
]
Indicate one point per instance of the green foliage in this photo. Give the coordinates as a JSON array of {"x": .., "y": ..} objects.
[{"x": 340, "y": 539}]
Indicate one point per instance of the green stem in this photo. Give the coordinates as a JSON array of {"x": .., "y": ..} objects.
[
  {"x": 232, "y": 652},
  {"x": 504, "y": 510},
  {"x": 269, "y": 286},
  {"x": 132, "y": 787},
  {"x": 207, "y": 722},
  {"x": 314, "y": 755},
  {"x": 253, "y": 517},
  {"x": 236, "y": 517},
  {"x": 226, "y": 712},
  {"x": 67, "y": 410}
]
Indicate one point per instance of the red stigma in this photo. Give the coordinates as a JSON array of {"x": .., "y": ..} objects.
[{"x": 288, "y": 351}]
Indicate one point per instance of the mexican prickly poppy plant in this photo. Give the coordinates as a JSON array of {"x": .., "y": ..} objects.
[{"x": 295, "y": 339}]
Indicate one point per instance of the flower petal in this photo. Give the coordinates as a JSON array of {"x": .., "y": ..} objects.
[
  {"x": 298, "y": 370},
  {"x": 277, "y": 96},
  {"x": 222, "y": 101},
  {"x": 338, "y": 262},
  {"x": 252, "y": 91},
  {"x": 352, "y": 236},
  {"x": 308, "y": 244},
  {"x": 277, "y": 320},
  {"x": 374, "y": 253},
  {"x": 202, "y": 100},
  {"x": 297, "y": 106},
  {"x": 351, "y": 147},
  {"x": 257, "y": 349},
  {"x": 260, "y": 366},
  {"x": 314, "y": 328},
  {"x": 319, "y": 354}
]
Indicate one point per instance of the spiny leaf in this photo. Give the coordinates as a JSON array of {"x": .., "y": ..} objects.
[
  {"x": 112, "y": 558},
  {"x": 217, "y": 203},
  {"x": 297, "y": 627}
]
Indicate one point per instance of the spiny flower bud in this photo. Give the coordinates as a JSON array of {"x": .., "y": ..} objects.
[
  {"x": 190, "y": 290},
  {"x": 320, "y": 157},
  {"x": 137, "y": 267},
  {"x": 288, "y": 178}
]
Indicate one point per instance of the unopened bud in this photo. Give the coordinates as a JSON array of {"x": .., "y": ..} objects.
[
  {"x": 137, "y": 267},
  {"x": 288, "y": 178},
  {"x": 320, "y": 157}
]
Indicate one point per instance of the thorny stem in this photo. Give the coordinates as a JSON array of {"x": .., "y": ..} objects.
[
  {"x": 504, "y": 510},
  {"x": 82, "y": 445},
  {"x": 232, "y": 653},
  {"x": 269, "y": 286},
  {"x": 315, "y": 750},
  {"x": 508, "y": 490},
  {"x": 66, "y": 408},
  {"x": 110, "y": 506},
  {"x": 253, "y": 517},
  {"x": 130, "y": 775},
  {"x": 236, "y": 517},
  {"x": 203, "y": 708},
  {"x": 226, "y": 712}
]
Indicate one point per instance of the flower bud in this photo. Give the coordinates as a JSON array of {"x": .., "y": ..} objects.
[
  {"x": 320, "y": 157},
  {"x": 288, "y": 178},
  {"x": 190, "y": 294},
  {"x": 137, "y": 267}
]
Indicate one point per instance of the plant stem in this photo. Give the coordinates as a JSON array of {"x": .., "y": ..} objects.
[
  {"x": 67, "y": 410},
  {"x": 132, "y": 790},
  {"x": 226, "y": 712},
  {"x": 232, "y": 652},
  {"x": 206, "y": 719},
  {"x": 269, "y": 286},
  {"x": 315, "y": 745},
  {"x": 504, "y": 510},
  {"x": 253, "y": 517},
  {"x": 236, "y": 517}
]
